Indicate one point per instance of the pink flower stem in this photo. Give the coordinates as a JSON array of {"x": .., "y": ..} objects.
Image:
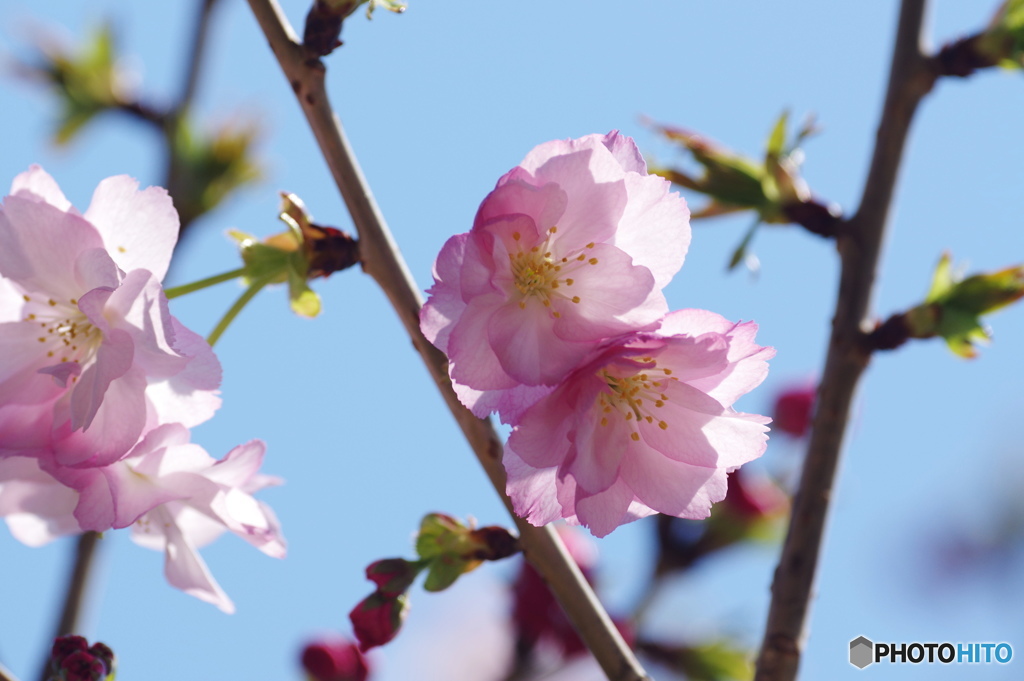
[
  {"x": 78, "y": 581},
  {"x": 859, "y": 242},
  {"x": 176, "y": 291},
  {"x": 382, "y": 261}
]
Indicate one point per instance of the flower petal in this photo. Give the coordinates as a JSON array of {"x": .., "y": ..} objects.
[
  {"x": 36, "y": 183},
  {"x": 139, "y": 228},
  {"x": 604, "y": 511}
]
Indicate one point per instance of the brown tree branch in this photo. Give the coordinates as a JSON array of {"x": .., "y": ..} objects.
[
  {"x": 6, "y": 675},
  {"x": 78, "y": 581},
  {"x": 859, "y": 246},
  {"x": 383, "y": 262}
]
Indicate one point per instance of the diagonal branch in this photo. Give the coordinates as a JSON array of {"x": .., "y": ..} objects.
[
  {"x": 848, "y": 355},
  {"x": 383, "y": 262}
]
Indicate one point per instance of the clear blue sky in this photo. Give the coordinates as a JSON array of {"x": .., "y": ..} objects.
[{"x": 438, "y": 104}]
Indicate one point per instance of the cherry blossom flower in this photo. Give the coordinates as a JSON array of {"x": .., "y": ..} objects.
[
  {"x": 645, "y": 426},
  {"x": 90, "y": 357},
  {"x": 173, "y": 494},
  {"x": 572, "y": 247}
]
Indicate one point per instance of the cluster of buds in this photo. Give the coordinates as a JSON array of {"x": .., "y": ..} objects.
[
  {"x": 772, "y": 187},
  {"x": 305, "y": 251},
  {"x": 447, "y": 549},
  {"x": 205, "y": 166},
  {"x": 952, "y": 309},
  {"x": 322, "y": 34},
  {"x": 73, "y": 659},
  {"x": 1001, "y": 43}
]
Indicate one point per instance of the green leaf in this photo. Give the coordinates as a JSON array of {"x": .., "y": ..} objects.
[
  {"x": 445, "y": 570},
  {"x": 954, "y": 305},
  {"x": 85, "y": 82},
  {"x": 453, "y": 549},
  {"x": 740, "y": 254},
  {"x": 942, "y": 280},
  {"x": 303, "y": 300},
  {"x": 777, "y": 139}
]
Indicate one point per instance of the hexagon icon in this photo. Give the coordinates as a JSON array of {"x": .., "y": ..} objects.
[{"x": 861, "y": 652}]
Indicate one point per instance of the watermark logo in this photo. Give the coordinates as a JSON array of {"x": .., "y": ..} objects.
[
  {"x": 861, "y": 652},
  {"x": 864, "y": 652}
]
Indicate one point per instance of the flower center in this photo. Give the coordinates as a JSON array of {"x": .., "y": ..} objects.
[
  {"x": 538, "y": 272},
  {"x": 64, "y": 331},
  {"x": 637, "y": 398}
]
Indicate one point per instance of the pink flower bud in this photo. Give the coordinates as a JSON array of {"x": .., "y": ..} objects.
[
  {"x": 337, "y": 659},
  {"x": 793, "y": 409}
]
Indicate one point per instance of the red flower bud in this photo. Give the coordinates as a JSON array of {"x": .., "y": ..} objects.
[
  {"x": 751, "y": 497},
  {"x": 793, "y": 409},
  {"x": 66, "y": 645},
  {"x": 334, "y": 660},
  {"x": 82, "y": 666},
  {"x": 377, "y": 619}
]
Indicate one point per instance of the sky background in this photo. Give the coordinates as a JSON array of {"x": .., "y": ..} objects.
[{"x": 438, "y": 103}]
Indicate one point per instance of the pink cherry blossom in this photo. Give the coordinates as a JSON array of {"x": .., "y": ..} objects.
[
  {"x": 173, "y": 494},
  {"x": 90, "y": 357},
  {"x": 572, "y": 247},
  {"x": 645, "y": 426}
]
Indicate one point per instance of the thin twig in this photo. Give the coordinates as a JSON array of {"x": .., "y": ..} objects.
[
  {"x": 78, "y": 581},
  {"x": 199, "y": 41},
  {"x": 176, "y": 117},
  {"x": 859, "y": 247},
  {"x": 382, "y": 261}
]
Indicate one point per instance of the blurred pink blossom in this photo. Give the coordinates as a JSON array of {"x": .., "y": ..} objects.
[
  {"x": 173, "y": 494},
  {"x": 572, "y": 247},
  {"x": 645, "y": 426}
]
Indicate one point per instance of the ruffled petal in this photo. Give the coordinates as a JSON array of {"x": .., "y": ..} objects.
[
  {"x": 139, "y": 228},
  {"x": 604, "y": 511},
  {"x": 672, "y": 487},
  {"x": 655, "y": 226},
  {"x": 36, "y": 183},
  {"x": 532, "y": 490}
]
